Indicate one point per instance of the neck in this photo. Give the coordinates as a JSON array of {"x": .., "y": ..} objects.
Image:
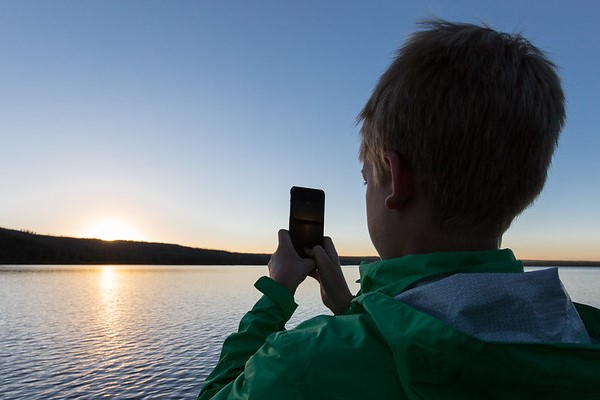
[
  {"x": 452, "y": 244},
  {"x": 424, "y": 239}
]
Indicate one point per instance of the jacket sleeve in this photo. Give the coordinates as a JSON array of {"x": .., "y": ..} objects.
[{"x": 268, "y": 316}]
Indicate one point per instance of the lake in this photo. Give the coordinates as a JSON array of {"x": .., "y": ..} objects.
[{"x": 132, "y": 332}]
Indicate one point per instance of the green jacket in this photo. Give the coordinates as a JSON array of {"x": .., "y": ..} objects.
[{"x": 381, "y": 348}]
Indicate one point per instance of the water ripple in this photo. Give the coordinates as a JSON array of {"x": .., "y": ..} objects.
[{"x": 126, "y": 332}]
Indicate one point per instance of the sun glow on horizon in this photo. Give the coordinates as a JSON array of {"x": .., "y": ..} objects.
[{"x": 111, "y": 229}]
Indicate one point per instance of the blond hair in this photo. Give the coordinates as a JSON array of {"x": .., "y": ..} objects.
[{"x": 476, "y": 114}]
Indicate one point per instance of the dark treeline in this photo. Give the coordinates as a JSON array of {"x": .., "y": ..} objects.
[{"x": 18, "y": 247}]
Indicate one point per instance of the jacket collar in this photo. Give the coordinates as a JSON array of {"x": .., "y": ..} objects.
[{"x": 395, "y": 275}]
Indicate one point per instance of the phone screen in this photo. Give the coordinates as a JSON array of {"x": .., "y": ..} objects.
[{"x": 307, "y": 213}]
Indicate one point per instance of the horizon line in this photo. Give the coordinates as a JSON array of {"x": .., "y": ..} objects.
[{"x": 526, "y": 262}]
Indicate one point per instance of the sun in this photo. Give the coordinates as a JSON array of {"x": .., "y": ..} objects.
[{"x": 112, "y": 229}]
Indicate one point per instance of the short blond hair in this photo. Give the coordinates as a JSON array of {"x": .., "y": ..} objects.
[{"x": 476, "y": 114}]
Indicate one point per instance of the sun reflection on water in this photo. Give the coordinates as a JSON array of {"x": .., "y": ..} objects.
[
  {"x": 109, "y": 298},
  {"x": 108, "y": 278}
]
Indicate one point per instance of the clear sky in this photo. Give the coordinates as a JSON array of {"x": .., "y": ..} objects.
[{"x": 188, "y": 121}]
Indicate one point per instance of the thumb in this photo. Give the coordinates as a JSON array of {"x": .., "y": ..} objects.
[
  {"x": 320, "y": 256},
  {"x": 330, "y": 249},
  {"x": 285, "y": 241},
  {"x": 325, "y": 256},
  {"x": 328, "y": 266},
  {"x": 331, "y": 278}
]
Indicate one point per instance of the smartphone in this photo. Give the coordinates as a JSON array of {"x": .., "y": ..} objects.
[{"x": 307, "y": 214}]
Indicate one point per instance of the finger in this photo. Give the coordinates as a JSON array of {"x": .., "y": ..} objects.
[
  {"x": 310, "y": 251},
  {"x": 315, "y": 275},
  {"x": 330, "y": 271},
  {"x": 333, "y": 284},
  {"x": 285, "y": 241},
  {"x": 322, "y": 259},
  {"x": 329, "y": 248}
]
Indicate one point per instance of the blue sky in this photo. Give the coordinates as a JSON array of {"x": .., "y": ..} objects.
[{"x": 188, "y": 121}]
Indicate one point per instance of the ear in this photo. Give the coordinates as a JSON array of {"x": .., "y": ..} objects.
[{"x": 402, "y": 181}]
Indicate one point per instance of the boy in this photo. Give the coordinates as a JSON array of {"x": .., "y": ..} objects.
[{"x": 456, "y": 141}]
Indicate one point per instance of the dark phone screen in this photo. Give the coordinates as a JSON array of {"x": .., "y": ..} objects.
[{"x": 307, "y": 213}]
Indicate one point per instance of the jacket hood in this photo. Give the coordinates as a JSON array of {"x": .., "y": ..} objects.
[
  {"x": 435, "y": 360},
  {"x": 395, "y": 275},
  {"x": 531, "y": 307}
]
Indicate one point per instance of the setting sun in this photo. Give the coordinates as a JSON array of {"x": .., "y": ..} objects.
[{"x": 112, "y": 229}]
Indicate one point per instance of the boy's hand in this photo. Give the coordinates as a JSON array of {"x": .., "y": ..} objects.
[
  {"x": 286, "y": 267},
  {"x": 334, "y": 290}
]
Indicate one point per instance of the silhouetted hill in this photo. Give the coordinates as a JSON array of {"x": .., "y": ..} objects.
[{"x": 18, "y": 247}]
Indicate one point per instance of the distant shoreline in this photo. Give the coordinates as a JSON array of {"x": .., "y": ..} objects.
[
  {"x": 559, "y": 263},
  {"x": 27, "y": 248}
]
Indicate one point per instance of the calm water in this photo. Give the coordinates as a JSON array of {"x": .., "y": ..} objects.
[{"x": 140, "y": 332}]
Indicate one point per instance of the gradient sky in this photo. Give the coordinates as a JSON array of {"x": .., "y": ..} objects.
[{"x": 188, "y": 121}]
